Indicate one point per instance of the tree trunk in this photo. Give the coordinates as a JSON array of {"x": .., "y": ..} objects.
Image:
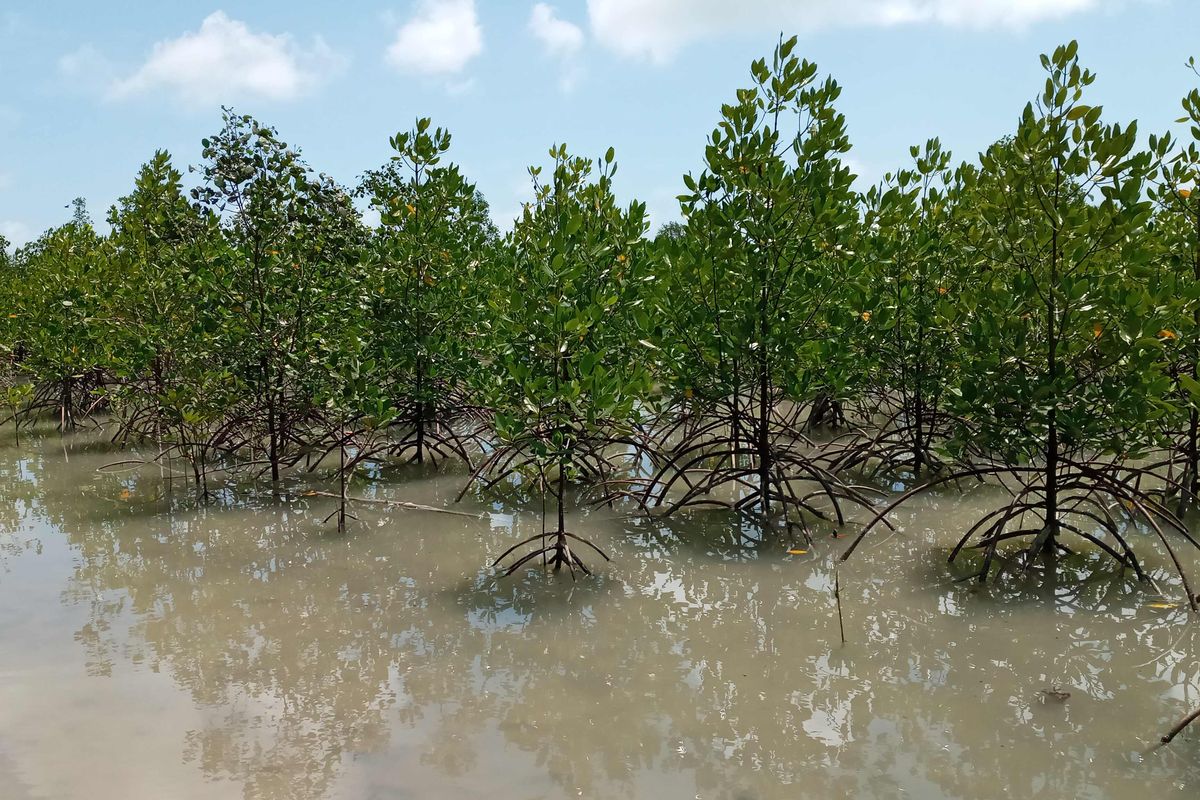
[
  {"x": 1191, "y": 480},
  {"x": 342, "y": 478},
  {"x": 272, "y": 423},
  {"x": 1050, "y": 540},
  {"x": 272, "y": 435},
  {"x": 420, "y": 411},
  {"x": 1049, "y": 535},
  {"x": 764, "y": 390},
  {"x": 1191, "y": 486},
  {"x": 764, "y": 441},
  {"x": 561, "y": 553},
  {"x": 68, "y": 418}
]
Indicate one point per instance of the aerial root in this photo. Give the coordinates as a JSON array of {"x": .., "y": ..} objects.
[{"x": 559, "y": 552}]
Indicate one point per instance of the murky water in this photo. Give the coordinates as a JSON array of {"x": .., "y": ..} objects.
[{"x": 151, "y": 647}]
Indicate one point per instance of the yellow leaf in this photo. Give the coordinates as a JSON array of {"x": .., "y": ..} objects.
[
  {"x": 621, "y": 258},
  {"x": 796, "y": 552},
  {"x": 942, "y": 290},
  {"x": 866, "y": 316},
  {"x": 1166, "y": 334},
  {"x": 1185, "y": 193},
  {"x": 1097, "y": 329},
  {"x": 1164, "y": 605},
  {"x": 411, "y": 208}
]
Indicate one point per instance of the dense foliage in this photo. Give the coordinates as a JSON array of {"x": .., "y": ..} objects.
[
  {"x": 793, "y": 346},
  {"x": 755, "y": 306}
]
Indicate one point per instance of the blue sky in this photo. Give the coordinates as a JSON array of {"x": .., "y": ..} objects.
[{"x": 89, "y": 90}]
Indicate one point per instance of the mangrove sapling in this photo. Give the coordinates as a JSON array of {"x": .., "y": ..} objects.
[
  {"x": 348, "y": 393},
  {"x": 289, "y": 237},
  {"x": 53, "y": 314},
  {"x": 156, "y": 319},
  {"x": 1177, "y": 241},
  {"x": 909, "y": 331},
  {"x": 16, "y": 388},
  {"x": 343, "y": 436},
  {"x": 1058, "y": 370},
  {"x": 571, "y": 366},
  {"x": 427, "y": 264},
  {"x": 758, "y": 284},
  {"x": 15, "y": 397}
]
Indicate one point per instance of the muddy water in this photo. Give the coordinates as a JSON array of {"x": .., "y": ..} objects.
[{"x": 151, "y": 647}]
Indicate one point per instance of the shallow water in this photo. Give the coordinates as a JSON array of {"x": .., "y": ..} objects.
[{"x": 154, "y": 647}]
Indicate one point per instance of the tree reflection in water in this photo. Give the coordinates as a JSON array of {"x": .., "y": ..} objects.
[{"x": 703, "y": 661}]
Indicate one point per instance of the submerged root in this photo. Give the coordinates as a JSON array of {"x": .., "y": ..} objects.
[
  {"x": 894, "y": 444},
  {"x": 1094, "y": 501},
  {"x": 556, "y": 551},
  {"x": 725, "y": 461}
]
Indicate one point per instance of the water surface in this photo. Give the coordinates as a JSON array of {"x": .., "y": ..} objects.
[{"x": 152, "y": 646}]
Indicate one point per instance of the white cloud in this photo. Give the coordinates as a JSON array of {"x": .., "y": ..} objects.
[
  {"x": 456, "y": 88},
  {"x": 224, "y": 60},
  {"x": 86, "y": 68},
  {"x": 17, "y": 233},
  {"x": 440, "y": 38},
  {"x": 561, "y": 40},
  {"x": 658, "y": 29},
  {"x": 559, "y": 37}
]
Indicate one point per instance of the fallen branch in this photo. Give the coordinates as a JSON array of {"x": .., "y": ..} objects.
[
  {"x": 837, "y": 595},
  {"x": 398, "y": 504},
  {"x": 1183, "y": 723}
]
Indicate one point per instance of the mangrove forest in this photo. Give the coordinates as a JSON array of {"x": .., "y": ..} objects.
[{"x": 970, "y": 389}]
